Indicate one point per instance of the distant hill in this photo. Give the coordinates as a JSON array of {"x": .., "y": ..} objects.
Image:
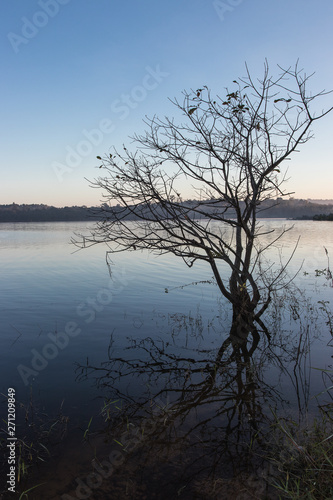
[
  {"x": 321, "y": 202},
  {"x": 279, "y": 208},
  {"x": 294, "y": 208}
]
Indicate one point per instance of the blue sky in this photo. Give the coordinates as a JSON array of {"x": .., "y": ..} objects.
[{"x": 68, "y": 67}]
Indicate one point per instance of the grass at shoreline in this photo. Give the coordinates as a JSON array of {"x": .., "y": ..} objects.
[{"x": 303, "y": 458}]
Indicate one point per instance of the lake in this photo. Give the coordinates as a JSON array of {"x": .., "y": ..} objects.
[{"x": 113, "y": 366}]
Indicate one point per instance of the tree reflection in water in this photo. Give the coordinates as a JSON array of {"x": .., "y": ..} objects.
[{"x": 198, "y": 423}]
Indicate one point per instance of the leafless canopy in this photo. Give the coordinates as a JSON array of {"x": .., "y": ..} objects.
[{"x": 228, "y": 150}]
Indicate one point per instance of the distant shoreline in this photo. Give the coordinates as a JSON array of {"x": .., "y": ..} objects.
[
  {"x": 292, "y": 209},
  {"x": 44, "y": 213},
  {"x": 317, "y": 217}
]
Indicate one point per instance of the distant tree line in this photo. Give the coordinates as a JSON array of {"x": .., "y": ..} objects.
[
  {"x": 42, "y": 213},
  {"x": 316, "y": 217},
  {"x": 279, "y": 208},
  {"x": 323, "y": 217}
]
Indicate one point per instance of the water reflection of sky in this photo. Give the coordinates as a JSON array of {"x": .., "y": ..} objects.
[{"x": 45, "y": 285}]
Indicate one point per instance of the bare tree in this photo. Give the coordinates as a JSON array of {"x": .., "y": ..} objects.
[{"x": 229, "y": 150}]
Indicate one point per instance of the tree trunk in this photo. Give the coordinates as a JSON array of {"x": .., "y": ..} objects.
[{"x": 243, "y": 318}]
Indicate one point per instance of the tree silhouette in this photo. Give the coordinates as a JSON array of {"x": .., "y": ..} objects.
[{"x": 229, "y": 150}]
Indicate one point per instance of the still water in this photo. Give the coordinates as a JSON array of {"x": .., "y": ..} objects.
[{"x": 101, "y": 355}]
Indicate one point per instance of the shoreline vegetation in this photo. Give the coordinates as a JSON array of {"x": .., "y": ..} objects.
[
  {"x": 296, "y": 209},
  {"x": 316, "y": 217}
]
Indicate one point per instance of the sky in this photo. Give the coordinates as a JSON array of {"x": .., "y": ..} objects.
[{"x": 79, "y": 76}]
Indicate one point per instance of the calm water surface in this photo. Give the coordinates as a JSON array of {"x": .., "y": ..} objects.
[{"x": 61, "y": 310}]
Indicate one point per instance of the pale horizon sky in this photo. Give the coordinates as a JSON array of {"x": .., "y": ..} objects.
[{"x": 78, "y": 77}]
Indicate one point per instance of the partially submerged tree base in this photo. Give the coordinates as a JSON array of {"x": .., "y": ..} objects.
[{"x": 230, "y": 149}]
